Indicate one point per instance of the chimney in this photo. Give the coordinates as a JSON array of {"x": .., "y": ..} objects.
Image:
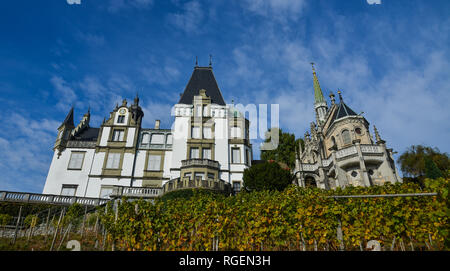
[{"x": 157, "y": 122}]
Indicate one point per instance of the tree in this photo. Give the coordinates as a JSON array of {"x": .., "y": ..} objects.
[
  {"x": 285, "y": 151},
  {"x": 412, "y": 161},
  {"x": 267, "y": 176},
  {"x": 431, "y": 170}
]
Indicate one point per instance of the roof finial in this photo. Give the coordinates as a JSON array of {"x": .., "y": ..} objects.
[
  {"x": 340, "y": 95},
  {"x": 377, "y": 136},
  {"x": 314, "y": 70},
  {"x": 136, "y": 99},
  {"x": 210, "y": 60},
  {"x": 196, "y": 61},
  {"x": 333, "y": 101}
]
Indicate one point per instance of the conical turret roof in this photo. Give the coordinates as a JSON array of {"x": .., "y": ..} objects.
[{"x": 202, "y": 78}]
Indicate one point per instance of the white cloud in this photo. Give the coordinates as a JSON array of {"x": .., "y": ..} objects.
[
  {"x": 71, "y": 2},
  {"x": 278, "y": 9},
  {"x": 374, "y": 2},
  {"x": 190, "y": 19},
  {"x": 65, "y": 94},
  {"x": 26, "y": 146}
]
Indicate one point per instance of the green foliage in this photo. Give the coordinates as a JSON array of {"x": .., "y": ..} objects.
[
  {"x": 74, "y": 215},
  {"x": 31, "y": 220},
  {"x": 431, "y": 170},
  {"x": 285, "y": 151},
  {"x": 266, "y": 176},
  {"x": 186, "y": 193},
  {"x": 287, "y": 220},
  {"x": 12, "y": 208},
  {"x": 412, "y": 161},
  {"x": 5, "y": 219}
]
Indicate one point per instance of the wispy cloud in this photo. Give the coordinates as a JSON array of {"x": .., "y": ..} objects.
[
  {"x": 26, "y": 150},
  {"x": 71, "y": 2},
  {"x": 374, "y": 2},
  {"x": 66, "y": 95},
  {"x": 189, "y": 19},
  {"x": 280, "y": 10}
]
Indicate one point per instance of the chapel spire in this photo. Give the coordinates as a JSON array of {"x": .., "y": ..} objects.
[
  {"x": 320, "y": 105},
  {"x": 318, "y": 95}
]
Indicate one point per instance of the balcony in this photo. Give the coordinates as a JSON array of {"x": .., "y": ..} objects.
[
  {"x": 195, "y": 162},
  {"x": 188, "y": 183},
  {"x": 135, "y": 192}
]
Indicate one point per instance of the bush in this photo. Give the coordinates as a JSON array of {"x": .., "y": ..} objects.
[
  {"x": 31, "y": 220},
  {"x": 266, "y": 176},
  {"x": 5, "y": 219},
  {"x": 188, "y": 193}
]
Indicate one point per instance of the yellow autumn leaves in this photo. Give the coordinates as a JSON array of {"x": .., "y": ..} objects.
[{"x": 295, "y": 219}]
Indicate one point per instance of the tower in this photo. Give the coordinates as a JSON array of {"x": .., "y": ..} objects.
[
  {"x": 64, "y": 132},
  {"x": 320, "y": 105}
]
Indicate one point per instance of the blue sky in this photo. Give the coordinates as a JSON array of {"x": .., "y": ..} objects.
[{"x": 391, "y": 60}]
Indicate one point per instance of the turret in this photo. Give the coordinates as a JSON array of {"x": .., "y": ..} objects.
[{"x": 64, "y": 133}]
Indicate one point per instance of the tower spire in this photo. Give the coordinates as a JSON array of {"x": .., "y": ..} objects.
[
  {"x": 320, "y": 105},
  {"x": 68, "y": 121},
  {"x": 377, "y": 136},
  {"x": 318, "y": 95}
]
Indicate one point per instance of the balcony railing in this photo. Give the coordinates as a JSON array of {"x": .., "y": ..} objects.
[
  {"x": 371, "y": 149},
  {"x": 200, "y": 162},
  {"x": 346, "y": 152},
  {"x": 186, "y": 182},
  {"x": 135, "y": 192},
  {"x": 50, "y": 199}
]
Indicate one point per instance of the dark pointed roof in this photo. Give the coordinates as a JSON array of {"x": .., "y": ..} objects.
[
  {"x": 68, "y": 121},
  {"x": 343, "y": 111},
  {"x": 202, "y": 78}
]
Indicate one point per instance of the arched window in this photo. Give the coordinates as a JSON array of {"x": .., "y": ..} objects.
[{"x": 346, "y": 137}]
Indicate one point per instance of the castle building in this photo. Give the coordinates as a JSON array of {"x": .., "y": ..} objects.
[
  {"x": 340, "y": 151},
  {"x": 208, "y": 146}
]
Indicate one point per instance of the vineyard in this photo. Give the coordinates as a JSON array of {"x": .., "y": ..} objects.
[{"x": 295, "y": 219}]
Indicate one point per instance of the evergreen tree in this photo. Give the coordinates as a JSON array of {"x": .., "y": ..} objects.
[
  {"x": 285, "y": 151},
  {"x": 431, "y": 169},
  {"x": 267, "y": 176}
]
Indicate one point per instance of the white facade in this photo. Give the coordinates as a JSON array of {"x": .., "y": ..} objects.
[{"x": 122, "y": 153}]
